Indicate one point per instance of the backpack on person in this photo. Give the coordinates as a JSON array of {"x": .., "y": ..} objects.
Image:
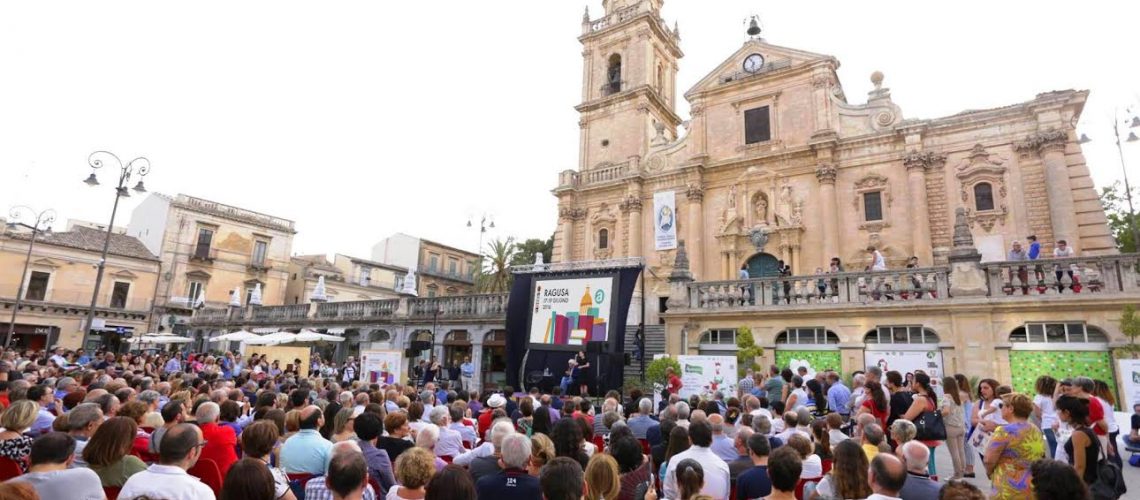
[{"x": 1109, "y": 484}]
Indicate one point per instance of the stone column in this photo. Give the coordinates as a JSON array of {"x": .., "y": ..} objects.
[
  {"x": 477, "y": 359},
  {"x": 632, "y": 206},
  {"x": 829, "y": 219},
  {"x": 696, "y": 195},
  {"x": 566, "y": 215},
  {"x": 1051, "y": 146},
  {"x": 916, "y": 164}
]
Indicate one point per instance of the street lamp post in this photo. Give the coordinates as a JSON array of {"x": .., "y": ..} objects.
[
  {"x": 485, "y": 223},
  {"x": 1134, "y": 122},
  {"x": 139, "y": 166},
  {"x": 44, "y": 218}
]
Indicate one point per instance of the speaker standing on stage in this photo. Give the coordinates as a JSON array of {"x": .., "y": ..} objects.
[
  {"x": 674, "y": 381},
  {"x": 582, "y": 378}
]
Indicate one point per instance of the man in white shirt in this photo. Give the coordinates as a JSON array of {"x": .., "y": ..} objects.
[
  {"x": 716, "y": 470},
  {"x": 51, "y": 474},
  {"x": 888, "y": 475},
  {"x": 179, "y": 451},
  {"x": 450, "y": 443},
  {"x": 790, "y": 420}
]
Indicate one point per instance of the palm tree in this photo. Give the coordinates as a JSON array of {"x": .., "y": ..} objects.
[{"x": 496, "y": 276}]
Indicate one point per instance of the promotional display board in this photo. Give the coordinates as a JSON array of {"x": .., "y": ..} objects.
[
  {"x": 569, "y": 312},
  {"x": 1129, "y": 383},
  {"x": 704, "y": 375},
  {"x": 665, "y": 220},
  {"x": 1026, "y": 366},
  {"x": 381, "y": 366},
  {"x": 907, "y": 362}
]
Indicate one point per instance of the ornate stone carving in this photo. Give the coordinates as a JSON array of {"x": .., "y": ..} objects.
[
  {"x": 826, "y": 173},
  {"x": 979, "y": 168},
  {"x": 822, "y": 81},
  {"x": 760, "y": 208},
  {"x": 785, "y": 206},
  {"x": 695, "y": 193},
  {"x": 572, "y": 213},
  {"x": 797, "y": 212},
  {"x": 696, "y": 110},
  {"x": 631, "y": 203},
  {"x": 872, "y": 181},
  {"x": 1050, "y": 139},
  {"x": 759, "y": 237},
  {"x": 923, "y": 160},
  {"x": 681, "y": 264},
  {"x": 870, "y": 184},
  {"x": 655, "y": 163},
  {"x": 963, "y": 239}
]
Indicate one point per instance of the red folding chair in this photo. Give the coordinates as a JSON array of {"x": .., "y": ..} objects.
[
  {"x": 112, "y": 492},
  {"x": 447, "y": 458},
  {"x": 645, "y": 448},
  {"x": 826, "y": 465},
  {"x": 376, "y": 487},
  {"x": 470, "y": 445},
  {"x": 9, "y": 469},
  {"x": 207, "y": 470},
  {"x": 600, "y": 442},
  {"x": 297, "y": 483},
  {"x": 804, "y": 482}
]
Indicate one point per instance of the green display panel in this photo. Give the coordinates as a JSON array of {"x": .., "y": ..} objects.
[
  {"x": 1026, "y": 366},
  {"x": 819, "y": 360}
]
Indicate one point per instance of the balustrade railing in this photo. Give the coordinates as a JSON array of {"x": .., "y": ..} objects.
[
  {"x": 837, "y": 288},
  {"x": 281, "y": 313},
  {"x": 211, "y": 314},
  {"x": 1104, "y": 274},
  {"x": 458, "y": 306},
  {"x": 358, "y": 309}
]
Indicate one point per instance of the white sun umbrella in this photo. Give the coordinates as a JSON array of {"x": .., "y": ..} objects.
[
  {"x": 273, "y": 339},
  {"x": 238, "y": 336},
  {"x": 312, "y": 336},
  {"x": 167, "y": 339}
]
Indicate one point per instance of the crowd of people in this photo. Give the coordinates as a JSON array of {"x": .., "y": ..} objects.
[{"x": 168, "y": 426}]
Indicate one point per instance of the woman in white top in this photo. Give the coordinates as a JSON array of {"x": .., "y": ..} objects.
[
  {"x": 988, "y": 414},
  {"x": 798, "y": 397},
  {"x": 812, "y": 464},
  {"x": 1108, "y": 401},
  {"x": 1045, "y": 411}
]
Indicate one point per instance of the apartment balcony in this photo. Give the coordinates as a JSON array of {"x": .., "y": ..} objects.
[{"x": 204, "y": 254}]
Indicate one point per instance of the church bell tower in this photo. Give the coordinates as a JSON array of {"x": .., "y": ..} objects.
[{"x": 629, "y": 69}]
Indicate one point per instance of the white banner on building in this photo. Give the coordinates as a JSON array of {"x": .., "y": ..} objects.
[
  {"x": 704, "y": 375},
  {"x": 1129, "y": 379},
  {"x": 665, "y": 220},
  {"x": 381, "y": 366},
  {"x": 907, "y": 362}
]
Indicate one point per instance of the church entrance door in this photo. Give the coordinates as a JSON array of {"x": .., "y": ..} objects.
[{"x": 763, "y": 265}]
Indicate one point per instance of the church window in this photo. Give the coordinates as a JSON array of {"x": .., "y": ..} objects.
[
  {"x": 757, "y": 125},
  {"x": 873, "y": 206},
  {"x": 983, "y": 196},
  {"x": 604, "y": 239},
  {"x": 613, "y": 76}
]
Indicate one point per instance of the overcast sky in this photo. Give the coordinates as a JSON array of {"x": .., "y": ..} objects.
[{"x": 358, "y": 119}]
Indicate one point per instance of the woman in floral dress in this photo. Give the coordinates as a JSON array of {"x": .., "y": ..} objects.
[{"x": 1012, "y": 449}]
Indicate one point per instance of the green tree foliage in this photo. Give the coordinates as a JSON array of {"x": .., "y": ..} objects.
[
  {"x": 496, "y": 275},
  {"x": 1116, "y": 209},
  {"x": 655, "y": 372},
  {"x": 525, "y": 250},
  {"x": 1130, "y": 325},
  {"x": 748, "y": 351}
]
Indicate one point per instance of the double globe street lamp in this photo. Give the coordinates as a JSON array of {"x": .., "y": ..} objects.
[
  {"x": 43, "y": 221},
  {"x": 1132, "y": 123},
  {"x": 139, "y": 166}
]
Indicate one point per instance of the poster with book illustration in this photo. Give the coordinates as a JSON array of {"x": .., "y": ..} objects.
[{"x": 381, "y": 366}]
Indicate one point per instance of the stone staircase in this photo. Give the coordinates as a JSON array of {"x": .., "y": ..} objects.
[{"x": 654, "y": 344}]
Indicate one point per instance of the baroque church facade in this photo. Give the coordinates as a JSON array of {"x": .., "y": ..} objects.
[
  {"x": 777, "y": 164},
  {"x": 774, "y": 143}
]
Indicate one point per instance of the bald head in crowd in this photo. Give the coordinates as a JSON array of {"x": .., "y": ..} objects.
[
  {"x": 312, "y": 417},
  {"x": 917, "y": 456},
  {"x": 887, "y": 475}
]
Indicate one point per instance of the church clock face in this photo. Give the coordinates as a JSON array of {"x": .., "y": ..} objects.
[{"x": 753, "y": 63}]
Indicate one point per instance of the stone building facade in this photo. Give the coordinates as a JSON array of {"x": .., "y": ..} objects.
[
  {"x": 209, "y": 250},
  {"x": 774, "y": 144},
  {"x": 346, "y": 279},
  {"x": 60, "y": 277}
]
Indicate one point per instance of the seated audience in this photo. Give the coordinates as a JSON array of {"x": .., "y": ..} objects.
[
  {"x": 179, "y": 451},
  {"x": 51, "y": 475},
  {"x": 306, "y": 452},
  {"x": 109, "y": 452},
  {"x": 257, "y": 442},
  {"x": 453, "y": 482},
  {"x": 754, "y": 482},
  {"x": 919, "y": 485},
  {"x": 784, "y": 469},
  {"x": 16, "y": 421},
  {"x": 414, "y": 470},
  {"x": 346, "y": 477}
]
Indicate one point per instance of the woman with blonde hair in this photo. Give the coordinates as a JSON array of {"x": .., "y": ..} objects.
[
  {"x": 541, "y": 453},
  {"x": 414, "y": 469},
  {"x": 342, "y": 425},
  {"x": 16, "y": 420},
  {"x": 602, "y": 478},
  {"x": 292, "y": 422}
]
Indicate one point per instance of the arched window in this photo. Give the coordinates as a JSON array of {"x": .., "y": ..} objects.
[
  {"x": 717, "y": 341},
  {"x": 1057, "y": 333},
  {"x": 613, "y": 75},
  {"x": 808, "y": 335},
  {"x": 604, "y": 238},
  {"x": 904, "y": 334},
  {"x": 983, "y": 196}
]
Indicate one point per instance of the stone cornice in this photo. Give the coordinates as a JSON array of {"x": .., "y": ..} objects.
[
  {"x": 572, "y": 213},
  {"x": 640, "y": 91}
]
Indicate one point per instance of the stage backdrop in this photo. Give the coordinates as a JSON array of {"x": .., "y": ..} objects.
[
  {"x": 381, "y": 366},
  {"x": 550, "y": 317},
  {"x": 704, "y": 375}
]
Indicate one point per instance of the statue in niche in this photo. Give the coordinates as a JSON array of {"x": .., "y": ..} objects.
[
  {"x": 730, "y": 214},
  {"x": 785, "y": 207},
  {"x": 761, "y": 209},
  {"x": 798, "y": 212}
]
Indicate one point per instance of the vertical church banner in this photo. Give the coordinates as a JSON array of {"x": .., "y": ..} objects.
[
  {"x": 1129, "y": 377},
  {"x": 665, "y": 220}
]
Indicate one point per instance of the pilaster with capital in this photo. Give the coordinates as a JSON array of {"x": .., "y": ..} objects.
[
  {"x": 567, "y": 216},
  {"x": 1050, "y": 146},
  {"x": 917, "y": 164},
  {"x": 826, "y": 173},
  {"x": 696, "y": 195},
  {"x": 631, "y": 206}
]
